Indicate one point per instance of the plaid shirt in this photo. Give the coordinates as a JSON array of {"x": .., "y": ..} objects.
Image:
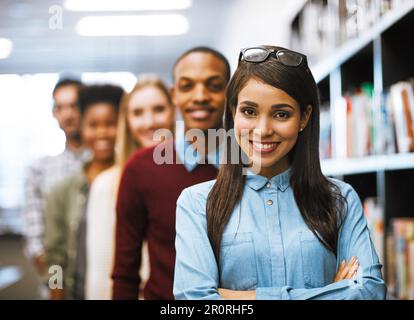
[{"x": 40, "y": 179}]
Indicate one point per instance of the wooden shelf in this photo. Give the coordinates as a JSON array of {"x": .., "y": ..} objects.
[
  {"x": 348, "y": 49},
  {"x": 349, "y": 166}
]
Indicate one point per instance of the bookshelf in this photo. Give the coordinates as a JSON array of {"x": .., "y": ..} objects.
[
  {"x": 381, "y": 55},
  {"x": 377, "y": 163},
  {"x": 352, "y": 47}
]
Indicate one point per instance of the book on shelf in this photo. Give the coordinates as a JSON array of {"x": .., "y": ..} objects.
[
  {"x": 374, "y": 214},
  {"x": 400, "y": 258},
  {"x": 411, "y": 270},
  {"x": 339, "y": 128},
  {"x": 402, "y": 102},
  {"x": 323, "y": 25},
  {"x": 325, "y": 145},
  {"x": 364, "y": 123},
  {"x": 387, "y": 119},
  {"x": 361, "y": 125},
  {"x": 389, "y": 266}
]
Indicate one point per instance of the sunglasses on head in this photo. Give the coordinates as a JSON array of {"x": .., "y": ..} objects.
[{"x": 259, "y": 54}]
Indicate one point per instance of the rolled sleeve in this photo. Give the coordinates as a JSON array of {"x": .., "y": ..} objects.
[
  {"x": 196, "y": 272},
  {"x": 55, "y": 239},
  {"x": 33, "y": 214},
  {"x": 354, "y": 240},
  {"x": 269, "y": 293}
]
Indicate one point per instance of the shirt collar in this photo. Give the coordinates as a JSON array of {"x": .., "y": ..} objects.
[
  {"x": 190, "y": 157},
  {"x": 84, "y": 154},
  {"x": 281, "y": 181}
]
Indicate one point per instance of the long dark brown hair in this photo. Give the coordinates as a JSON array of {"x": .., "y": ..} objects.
[{"x": 318, "y": 199}]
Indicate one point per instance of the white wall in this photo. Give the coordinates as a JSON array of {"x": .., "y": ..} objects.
[{"x": 255, "y": 23}]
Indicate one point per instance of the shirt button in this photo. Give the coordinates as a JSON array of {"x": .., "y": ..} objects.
[
  {"x": 268, "y": 185},
  {"x": 269, "y": 202}
]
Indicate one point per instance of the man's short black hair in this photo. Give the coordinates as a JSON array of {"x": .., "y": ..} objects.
[
  {"x": 67, "y": 82},
  {"x": 203, "y": 49},
  {"x": 106, "y": 93}
]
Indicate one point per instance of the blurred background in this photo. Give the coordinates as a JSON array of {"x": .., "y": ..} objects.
[{"x": 358, "y": 50}]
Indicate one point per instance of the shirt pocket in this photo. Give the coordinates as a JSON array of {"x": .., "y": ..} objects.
[
  {"x": 238, "y": 267},
  {"x": 319, "y": 264}
]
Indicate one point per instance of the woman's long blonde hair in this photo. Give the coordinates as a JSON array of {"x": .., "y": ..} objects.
[{"x": 125, "y": 143}]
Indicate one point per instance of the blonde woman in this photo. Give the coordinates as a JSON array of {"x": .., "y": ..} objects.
[{"x": 147, "y": 108}]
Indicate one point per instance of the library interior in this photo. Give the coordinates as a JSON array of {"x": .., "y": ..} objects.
[{"x": 358, "y": 51}]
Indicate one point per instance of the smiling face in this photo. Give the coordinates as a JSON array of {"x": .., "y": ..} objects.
[
  {"x": 267, "y": 122},
  {"x": 99, "y": 130},
  {"x": 149, "y": 110},
  {"x": 199, "y": 90}
]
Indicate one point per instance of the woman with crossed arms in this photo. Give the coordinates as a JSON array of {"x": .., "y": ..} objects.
[{"x": 279, "y": 229}]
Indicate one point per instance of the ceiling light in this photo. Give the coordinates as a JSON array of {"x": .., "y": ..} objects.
[
  {"x": 133, "y": 25},
  {"x": 126, "y": 5},
  {"x": 6, "y": 47}
]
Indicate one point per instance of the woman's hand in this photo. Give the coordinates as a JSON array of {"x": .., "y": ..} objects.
[
  {"x": 57, "y": 294},
  {"x": 237, "y": 295},
  {"x": 347, "y": 270}
]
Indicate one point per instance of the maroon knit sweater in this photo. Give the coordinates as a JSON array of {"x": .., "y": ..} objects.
[{"x": 146, "y": 210}]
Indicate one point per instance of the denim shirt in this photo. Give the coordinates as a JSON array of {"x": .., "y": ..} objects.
[
  {"x": 190, "y": 157},
  {"x": 267, "y": 247}
]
